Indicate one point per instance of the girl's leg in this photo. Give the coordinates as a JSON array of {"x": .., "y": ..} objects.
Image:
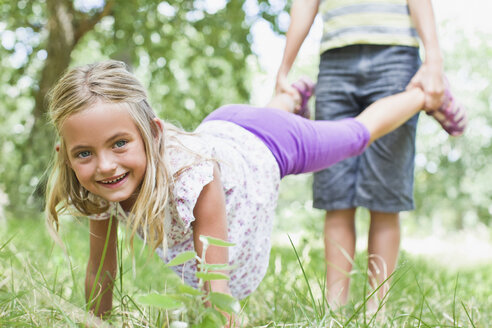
[
  {"x": 300, "y": 145},
  {"x": 283, "y": 101},
  {"x": 295, "y": 104},
  {"x": 388, "y": 113},
  {"x": 309, "y": 146}
]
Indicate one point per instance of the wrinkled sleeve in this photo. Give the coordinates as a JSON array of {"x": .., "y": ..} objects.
[{"x": 187, "y": 189}]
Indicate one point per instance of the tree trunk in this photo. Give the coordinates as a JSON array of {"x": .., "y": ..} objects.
[
  {"x": 64, "y": 31},
  {"x": 60, "y": 43}
]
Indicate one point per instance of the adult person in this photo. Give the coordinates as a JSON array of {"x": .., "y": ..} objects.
[{"x": 369, "y": 50}]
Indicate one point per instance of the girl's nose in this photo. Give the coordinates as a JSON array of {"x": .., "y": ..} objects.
[{"x": 106, "y": 164}]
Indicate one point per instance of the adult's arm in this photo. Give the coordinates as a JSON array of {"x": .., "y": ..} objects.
[
  {"x": 99, "y": 294},
  {"x": 302, "y": 15},
  {"x": 430, "y": 75}
]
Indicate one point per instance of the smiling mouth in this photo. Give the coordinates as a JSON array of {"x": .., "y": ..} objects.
[{"x": 115, "y": 180}]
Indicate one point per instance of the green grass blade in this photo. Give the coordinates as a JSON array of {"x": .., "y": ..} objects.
[
  {"x": 182, "y": 258},
  {"x": 165, "y": 302},
  {"x": 7, "y": 242},
  {"x": 99, "y": 269},
  {"x": 215, "y": 241},
  {"x": 454, "y": 299},
  {"x": 207, "y": 276},
  {"x": 216, "y": 267},
  {"x": 225, "y": 302},
  {"x": 468, "y": 315},
  {"x": 313, "y": 302}
]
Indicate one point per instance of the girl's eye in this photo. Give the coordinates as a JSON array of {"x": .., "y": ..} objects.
[
  {"x": 84, "y": 154},
  {"x": 120, "y": 143}
]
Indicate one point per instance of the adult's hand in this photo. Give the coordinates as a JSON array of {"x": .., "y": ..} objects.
[{"x": 431, "y": 80}]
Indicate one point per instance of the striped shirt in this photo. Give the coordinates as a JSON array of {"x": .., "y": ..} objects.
[{"x": 381, "y": 22}]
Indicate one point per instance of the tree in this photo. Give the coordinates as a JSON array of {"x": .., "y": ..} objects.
[
  {"x": 191, "y": 55},
  {"x": 452, "y": 181}
]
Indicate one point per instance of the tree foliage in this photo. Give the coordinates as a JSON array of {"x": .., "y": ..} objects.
[
  {"x": 452, "y": 181},
  {"x": 191, "y": 54}
]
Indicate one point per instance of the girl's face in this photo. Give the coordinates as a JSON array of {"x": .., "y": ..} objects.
[{"x": 106, "y": 152}]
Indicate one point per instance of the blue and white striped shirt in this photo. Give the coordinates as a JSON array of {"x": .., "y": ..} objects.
[{"x": 381, "y": 22}]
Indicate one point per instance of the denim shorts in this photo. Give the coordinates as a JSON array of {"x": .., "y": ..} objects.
[{"x": 350, "y": 79}]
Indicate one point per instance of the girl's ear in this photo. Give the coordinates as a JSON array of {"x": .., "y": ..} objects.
[
  {"x": 57, "y": 148},
  {"x": 159, "y": 124}
]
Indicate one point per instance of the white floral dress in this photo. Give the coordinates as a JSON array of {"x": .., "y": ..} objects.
[{"x": 250, "y": 177}]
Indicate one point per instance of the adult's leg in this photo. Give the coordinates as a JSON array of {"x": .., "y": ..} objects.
[
  {"x": 381, "y": 117},
  {"x": 384, "y": 232},
  {"x": 339, "y": 254},
  {"x": 383, "y": 246},
  {"x": 351, "y": 83},
  {"x": 386, "y": 173},
  {"x": 337, "y": 102}
]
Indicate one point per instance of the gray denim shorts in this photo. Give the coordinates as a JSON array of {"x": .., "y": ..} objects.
[{"x": 350, "y": 79}]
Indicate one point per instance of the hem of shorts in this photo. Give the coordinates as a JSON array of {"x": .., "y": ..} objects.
[{"x": 372, "y": 207}]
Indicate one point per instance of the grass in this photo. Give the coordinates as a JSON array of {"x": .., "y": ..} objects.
[{"x": 41, "y": 287}]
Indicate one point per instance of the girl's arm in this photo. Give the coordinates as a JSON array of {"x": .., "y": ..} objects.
[
  {"x": 99, "y": 294},
  {"x": 430, "y": 75},
  {"x": 210, "y": 220}
]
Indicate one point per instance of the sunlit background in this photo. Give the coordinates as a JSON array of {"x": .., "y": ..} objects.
[
  {"x": 454, "y": 18},
  {"x": 463, "y": 27},
  {"x": 196, "y": 55}
]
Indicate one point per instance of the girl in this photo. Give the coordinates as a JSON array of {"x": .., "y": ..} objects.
[{"x": 170, "y": 186}]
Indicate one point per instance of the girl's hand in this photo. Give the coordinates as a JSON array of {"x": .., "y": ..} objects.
[
  {"x": 231, "y": 320},
  {"x": 222, "y": 286}
]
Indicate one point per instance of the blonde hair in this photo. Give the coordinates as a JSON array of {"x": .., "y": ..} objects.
[{"x": 110, "y": 82}]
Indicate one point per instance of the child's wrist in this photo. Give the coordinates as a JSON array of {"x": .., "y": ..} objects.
[{"x": 220, "y": 286}]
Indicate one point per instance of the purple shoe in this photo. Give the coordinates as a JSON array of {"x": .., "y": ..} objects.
[
  {"x": 306, "y": 89},
  {"x": 451, "y": 115}
]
